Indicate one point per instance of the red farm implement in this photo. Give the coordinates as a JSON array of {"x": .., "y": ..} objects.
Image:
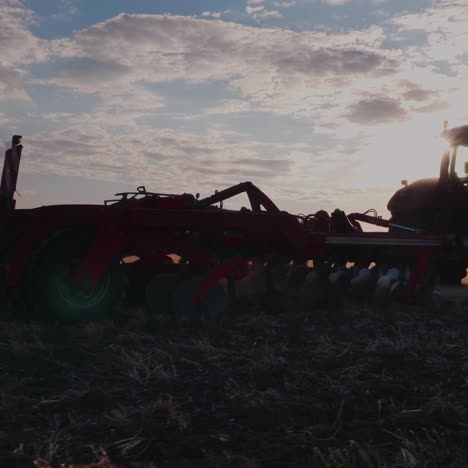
[{"x": 186, "y": 255}]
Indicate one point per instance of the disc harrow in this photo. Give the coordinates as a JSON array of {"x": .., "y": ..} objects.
[{"x": 186, "y": 257}]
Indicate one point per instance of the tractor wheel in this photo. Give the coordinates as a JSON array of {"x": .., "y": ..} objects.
[
  {"x": 452, "y": 274},
  {"x": 49, "y": 287}
]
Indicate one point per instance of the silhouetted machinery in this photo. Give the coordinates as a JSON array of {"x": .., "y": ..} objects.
[{"x": 189, "y": 255}]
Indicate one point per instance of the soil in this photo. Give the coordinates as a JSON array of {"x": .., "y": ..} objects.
[{"x": 274, "y": 385}]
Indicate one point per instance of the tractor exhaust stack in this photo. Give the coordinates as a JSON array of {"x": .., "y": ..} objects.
[{"x": 10, "y": 173}]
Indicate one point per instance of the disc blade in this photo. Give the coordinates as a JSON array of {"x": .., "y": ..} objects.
[{"x": 315, "y": 287}]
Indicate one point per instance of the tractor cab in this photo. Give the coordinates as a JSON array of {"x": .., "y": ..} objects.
[
  {"x": 455, "y": 163},
  {"x": 437, "y": 205}
]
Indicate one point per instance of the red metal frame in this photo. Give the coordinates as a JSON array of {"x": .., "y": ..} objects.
[{"x": 211, "y": 240}]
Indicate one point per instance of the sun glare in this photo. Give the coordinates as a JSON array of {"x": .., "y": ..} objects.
[{"x": 408, "y": 150}]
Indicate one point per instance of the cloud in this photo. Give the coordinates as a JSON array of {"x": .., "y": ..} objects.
[
  {"x": 418, "y": 94},
  {"x": 246, "y": 167},
  {"x": 229, "y": 106},
  {"x": 19, "y": 47},
  {"x": 270, "y": 14},
  {"x": 89, "y": 72},
  {"x": 163, "y": 158},
  {"x": 11, "y": 82},
  {"x": 271, "y": 68},
  {"x": 132, "y": 99},
  {"x": 336, "y": 2},
  {"x": 376, "y": 111},
  {"x": 261, "y": 12},
  {"x": 211, "y": 14},
  {"x": 178, "y": 160},
  {"x": 445, "y": 26},
  {"x": 254, "y": 10},
  {"x": 287, "y": 4},
  {"x": 414, "y": 92},
  {"x": 434, "y": 106},
  {"x": 110, "y": 82},
  {"x": 274, "y": 165},
  {"x": 337, "y": 85},
  {"x": 17, "y": 42},
  {"x": 5, "y": 119},
  {"x": 436, "y": 56},
  {"x": 337, "y": 62}
]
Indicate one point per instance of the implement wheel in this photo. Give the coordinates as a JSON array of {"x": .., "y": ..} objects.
[
  {"x": 452, "y": 274},
  {"x": 50, "y": 290},
  {"x": 212, "y": 308}
]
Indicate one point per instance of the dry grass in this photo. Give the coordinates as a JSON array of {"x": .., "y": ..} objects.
[{"x": 273, "y": 386}]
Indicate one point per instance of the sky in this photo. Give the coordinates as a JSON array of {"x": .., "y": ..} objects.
[{"x": 322, "y": 104}]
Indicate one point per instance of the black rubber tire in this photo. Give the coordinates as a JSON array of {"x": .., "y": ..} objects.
[
  {"x": 424, "y": 293},
  {"x": 452, "y": 274},
  {"x": 49, "y": 293}
]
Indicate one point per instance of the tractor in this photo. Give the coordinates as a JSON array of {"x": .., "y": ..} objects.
[{"x": 439, "y": 205}]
